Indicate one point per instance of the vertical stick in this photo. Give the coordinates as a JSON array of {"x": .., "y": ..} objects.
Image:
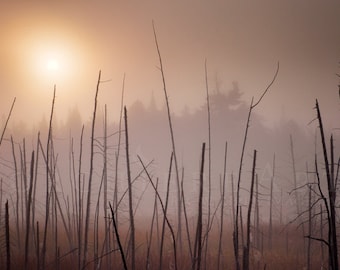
[
  {"x": 115, "y": 195},
  {"x": 28, "y": 211},
  {"x": 257, "y": 214},
  {"x": 80, "y": 200},
  {"x": 233, "y": 197},
  {"x": 47, "y": 201},
  {"x": 105, "y": 206},
  {"x": 88, "y": 204},
  {"x": 186, "y": 216},
  {"x": 198, "y": 242},
  {"x": 179, "y": 205},
  {"x": 35, "y": 185},
  {"x": 222, "y": 207},
  {"x": 209, "y": 163},
  {"x": 38, "y": 247},
  {"x": 309, "y": 226},
  {"x": 17, "y": 192},
  {"x": 118, "y": 238},
  {"x": 151, "y": 229},
  {"x": 8, "y": 117},
  {"x": 295, "y": 182},
  {"x": 132, "y": 223},
  {"x": 333, "y": 247},
  {"x": 8, "y": 246},
  {"x": 271, "y": 207},
  {"x": 247, "y": 247},
  {"x": 252, "y": 106},
  {"x": 165, "y": 210},
  {"x": 321, "y": 235}
]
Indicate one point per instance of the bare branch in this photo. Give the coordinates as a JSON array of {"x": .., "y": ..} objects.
[{"x": 269, "y": 85}]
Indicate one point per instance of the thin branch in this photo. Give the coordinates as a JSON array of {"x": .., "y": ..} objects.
[{"x": 9, "y": 115}]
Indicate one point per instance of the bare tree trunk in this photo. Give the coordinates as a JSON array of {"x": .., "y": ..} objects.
[
  {"x": 321, "y": 236},
  {"x": 17, "y": 194},
  {"x": 186, "y": 216},
  {"x": 8, "y": 117},
  {"x": 163, "y": 209},
  {"x": 38, "y": 247},
  {"x": 222, "y": 208},
  {"x": 151, "y": 229},
  {"x": 47, "y": 206},
  {"x": 118, "y": 239},
  {"x": 80, "y": 200},
  {"x": 35, "y": 187},
  {"x": 236, "y": 229},
  {"x": 209, "y": 165},
  {"x": 132, "y": 223},
  {"x": 166, "y": 208},
  {"x": 270, "y": 236},
  {"x": 115, "y": 194},
  {"x": 89, "y": 189},
  {"x": 233, "y": 198},
  {"x": 257, "y": 214},
  {"x": 333, "y": 246},
  {"x": 198, "y": 242},
  {"x": 309, "y": 226},
  {"x": 105, "y": 176},
  {"x": 28, "y": 212},
  {"x": 8, "y": 243},
  {"x": 297, "y": 200},
  {"x": 247, "y": 247},
  {"x": 179, "y": 205}
]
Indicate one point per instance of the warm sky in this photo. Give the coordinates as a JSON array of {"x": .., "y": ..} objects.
[{"x": 43, "y": 43}]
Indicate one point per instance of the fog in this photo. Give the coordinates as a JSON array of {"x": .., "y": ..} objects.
[
  {"x": 227, "y": 49},
  {"x": 240, "y": 41}
]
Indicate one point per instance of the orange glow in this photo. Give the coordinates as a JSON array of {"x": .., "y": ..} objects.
[{"x": 52, "y": 63}]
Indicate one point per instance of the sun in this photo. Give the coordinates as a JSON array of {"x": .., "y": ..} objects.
[{"x": 52, "y": 65}]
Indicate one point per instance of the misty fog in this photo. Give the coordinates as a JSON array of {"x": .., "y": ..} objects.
[{"x": 208, "y": 140}]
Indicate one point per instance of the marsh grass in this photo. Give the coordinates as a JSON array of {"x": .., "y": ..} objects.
[{"x": 59, "y": 235}]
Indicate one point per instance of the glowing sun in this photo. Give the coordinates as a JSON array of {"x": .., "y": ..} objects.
[{"x": 52, "y": 65}]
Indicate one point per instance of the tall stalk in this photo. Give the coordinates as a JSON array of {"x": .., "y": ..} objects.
[
  {"x": 222, "y": 206},
  {"x": 297, "y": 201},
  {"x": 132, "y": 223},
  {"x": 47, "y": 201},
  {"x": 179, "y": 206},
  {"x": 115, "y": 196},
  {"x": 186, "y": 216},
  {"x": 28, "y": 212},
  {"x": 7, "y": 120},
  {"x": 165, "y": 210},
  {"x": 35, "y": 186},
  {"x": 209, "y": 162},
  {"x": 247, "y": 247},
  {"x": 17, "y": 192},
  {"x": 89, "y": 189},
  {"x": 236, "y": 228},
  {"x": 198, "y": 242},
  {"x": 151, "y": 229},
  {"x": 118, "y": 238},
  {"x": 333, "y": 246},
  {"x": 105, "y": 205},
  {"x": 8, "y": 243},
  {"x": 271, "y": 206},
  {"x": 80, "y": 200}
]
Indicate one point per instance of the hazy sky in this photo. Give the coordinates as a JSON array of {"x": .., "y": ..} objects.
[{"x": 45, "y": 42}]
